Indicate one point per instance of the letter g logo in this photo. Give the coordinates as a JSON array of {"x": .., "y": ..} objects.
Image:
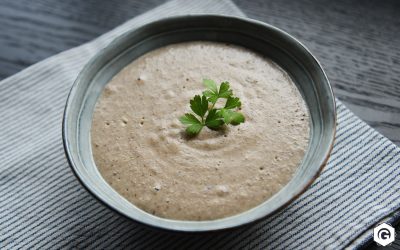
[{"x": 384, "y": 234}]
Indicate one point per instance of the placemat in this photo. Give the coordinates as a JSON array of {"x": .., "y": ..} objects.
[{"x": 43, "y": 206}]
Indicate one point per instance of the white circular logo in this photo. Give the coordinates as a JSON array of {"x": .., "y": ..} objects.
[{"x": 384, "y": 234}]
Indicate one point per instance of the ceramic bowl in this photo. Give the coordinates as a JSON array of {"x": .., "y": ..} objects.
[{"x": 265, "y": 39}]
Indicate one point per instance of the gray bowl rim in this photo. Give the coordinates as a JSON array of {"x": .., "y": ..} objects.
[{"x": 181, "y": 225}]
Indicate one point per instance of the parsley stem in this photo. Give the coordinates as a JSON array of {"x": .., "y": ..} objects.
[{"x": 213, "y": 105}]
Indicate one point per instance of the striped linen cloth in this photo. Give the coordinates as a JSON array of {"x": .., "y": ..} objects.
[{"x": 43, "y": 206}]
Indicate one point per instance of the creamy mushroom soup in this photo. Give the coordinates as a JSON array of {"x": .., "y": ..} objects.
[{"x": 142, "y": 151}]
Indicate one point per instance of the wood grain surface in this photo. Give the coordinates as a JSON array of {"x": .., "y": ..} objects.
[{"x": 357, "y": 43}]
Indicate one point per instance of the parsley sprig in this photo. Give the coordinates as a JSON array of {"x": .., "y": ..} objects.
[{"x": 207, "y": 114}]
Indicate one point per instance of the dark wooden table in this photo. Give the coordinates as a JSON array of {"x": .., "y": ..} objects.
[{"x": 357, "y": 42}]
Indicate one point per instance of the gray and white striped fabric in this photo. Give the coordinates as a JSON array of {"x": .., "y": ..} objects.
[{"x": 43, "y": 206}]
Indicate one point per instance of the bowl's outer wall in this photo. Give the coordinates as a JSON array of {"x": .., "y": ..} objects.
[{"x": 266, "y": 40}]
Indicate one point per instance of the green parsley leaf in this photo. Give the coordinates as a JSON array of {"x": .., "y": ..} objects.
[
  {"x": 194, "y": 129},
  {"x": 213, "y": 120},
  {"x": 211, "y": 96},
  {"x": 213, "y": 93},
  {"x": 232, "y": 102},
  {"x": 189, "y": 119},
  {"x": 195, "y": 125},
  {"x": 211, "y": 85},
  {"x": 237, "y": 118},
  {"x": 205, "y": 104},
  {"x": 212, "y": 90},
  {"x": 232, "y": 117},
  {"x": 224, "y": 91},
  {"x": 199, "y": 105}
]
